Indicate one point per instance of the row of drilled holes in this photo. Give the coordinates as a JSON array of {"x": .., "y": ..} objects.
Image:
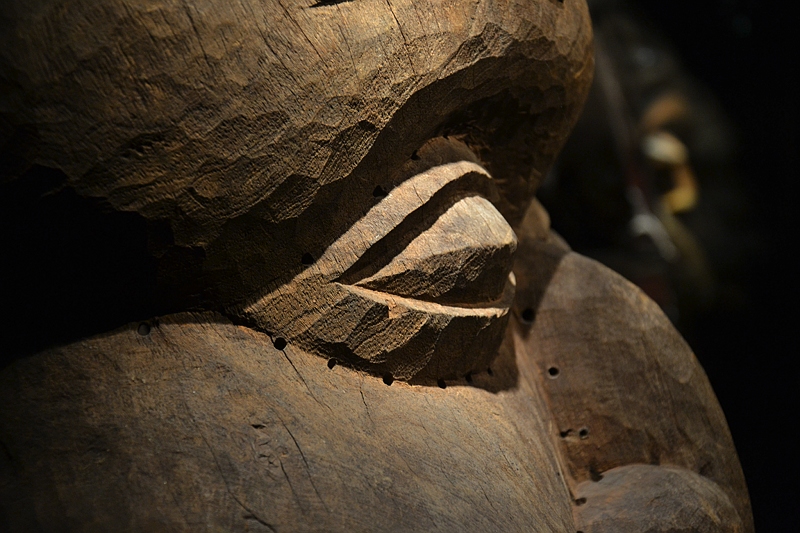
[
  {"x": 280, "y": 343},
  {"x": 583, "y": 433},
  {"x": 388, "y": 379},
  {"x": 527, "y": 315}
]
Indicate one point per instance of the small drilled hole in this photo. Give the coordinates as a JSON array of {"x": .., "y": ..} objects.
[
  {"x": 388, "y": 379},
  {"x": 379, "y": 192},
  {"x": 527, "y": 315},
  {"x": 307, "y": 259},
  {"x": 580, "y": 501},
  {"x": 279, "y": 343},
  {"x": 441, "y": 383},
  {"x": 553, "y": 371},
  {"x": 331, "y": 363},
  {"x": 583, "y": 433},
  {"x": 143, "y": 329}
]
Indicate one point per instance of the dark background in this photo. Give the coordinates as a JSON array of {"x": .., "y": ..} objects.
[{"x": 746, "y": 54}]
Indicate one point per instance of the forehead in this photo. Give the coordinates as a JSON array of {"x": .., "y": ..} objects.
[{"x": 267, "y": 120}]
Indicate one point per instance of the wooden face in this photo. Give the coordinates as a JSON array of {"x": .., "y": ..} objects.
[{"x": 264, "y": 133}]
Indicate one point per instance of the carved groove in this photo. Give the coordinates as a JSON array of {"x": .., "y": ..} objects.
[{"x": 340, "y": 308}]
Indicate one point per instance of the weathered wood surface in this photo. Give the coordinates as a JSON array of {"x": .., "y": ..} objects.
[
  {"x": 420, "y": 287},
  {"x": 636, "y": 498},
  {"x": 301, "y": 169},
  {"x": 191, "y": 422},
  {"x": 203, "y": 425},
  {"x": 252, "y": 133},
  {"x": 623, "y": 388}
]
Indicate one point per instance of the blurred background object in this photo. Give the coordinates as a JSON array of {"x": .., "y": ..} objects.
[
  {"x": 648, "y": 184},
  {"x": 681, "y": 176}
]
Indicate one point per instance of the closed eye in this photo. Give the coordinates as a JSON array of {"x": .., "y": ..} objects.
[
  {"x": 435, "y": 238},
  {"x": 408, "y": 210},
  {"x": 379, "y": 254},
  {"x": 463, "y": 259}
]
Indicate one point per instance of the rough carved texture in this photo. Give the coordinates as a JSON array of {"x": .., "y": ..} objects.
[
  {"x": 622, "y": 386},
  {"x": 235, "y": 124},
  {"x": 196, "y": 423},
  {"x": 339, "y": 309},
  {"x": 201, "y": 425},
  {"x": 628, "y": 498},
  {"x": 465, "y": 257},
  {"x": 302, "y": 168}
]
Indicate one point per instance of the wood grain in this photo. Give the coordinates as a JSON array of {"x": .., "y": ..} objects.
[
  {"x": 251, "y": 133},
  {"x": 623, "y": 387},
  {"x": 189, "y": 422},
  {"x": 651, "y": 498},
  {"x": 381, "y": 297},
  {"x": 203, "y": 425},
  {"x": 339, "y": 188}
]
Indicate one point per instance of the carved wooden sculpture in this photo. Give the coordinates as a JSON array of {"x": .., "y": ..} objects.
[{"x": 366, "y": 344}]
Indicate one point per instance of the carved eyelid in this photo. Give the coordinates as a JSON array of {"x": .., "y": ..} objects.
[
  {"x": 396, "y": 331},
  {"x": 450, "y": 182}
]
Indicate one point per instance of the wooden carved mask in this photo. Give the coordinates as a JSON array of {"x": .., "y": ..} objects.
[{"x": 343, "y": 175}]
